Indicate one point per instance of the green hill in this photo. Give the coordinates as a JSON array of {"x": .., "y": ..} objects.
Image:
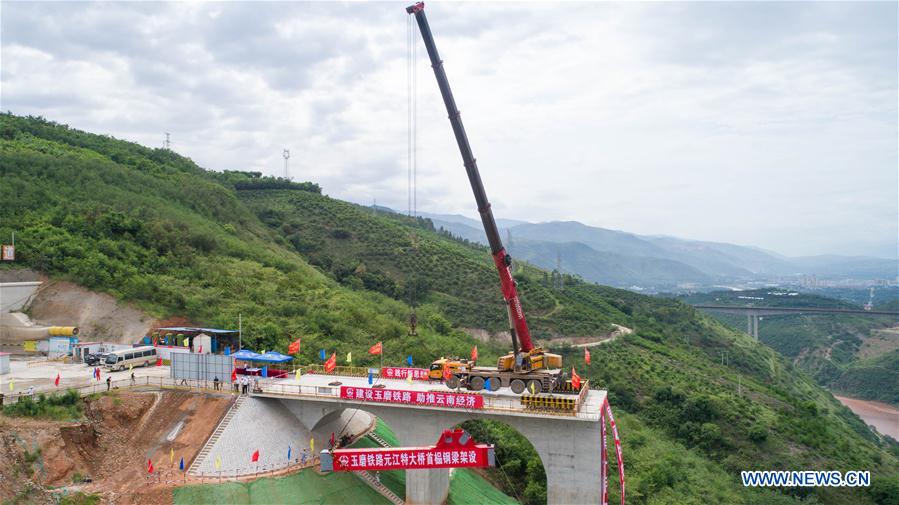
[
  {"x": 845, "y": 352},
  {"x": 874, "y": 378},
  {"x": 149, "y": 226}
]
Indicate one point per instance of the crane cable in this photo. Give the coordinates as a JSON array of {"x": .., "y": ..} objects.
[{"x": 412, "y": 140}]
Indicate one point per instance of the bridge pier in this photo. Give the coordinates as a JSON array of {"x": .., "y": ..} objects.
[
  {"x": 752, "y": 325},
  {"x": 569, "y": 449}
]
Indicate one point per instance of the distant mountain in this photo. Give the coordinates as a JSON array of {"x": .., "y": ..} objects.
[
  {"x": 724, "y": 259},
  {"x": 644, "y": 260},
  {"x": 857, "y": 267},
  {"x": 473, "y": 223},
  {"x": 606, "y": 267}
]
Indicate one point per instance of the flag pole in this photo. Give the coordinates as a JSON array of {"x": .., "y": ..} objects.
[{"x": 239, "y": 332}]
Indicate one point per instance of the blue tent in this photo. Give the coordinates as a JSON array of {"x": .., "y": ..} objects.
[
  {"x": 274, "y": 357},
  {"x": 269, "y": 357},
  {"x": 245, "y": 355}
]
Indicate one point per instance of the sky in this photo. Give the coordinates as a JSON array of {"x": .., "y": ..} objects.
[{"x": 758, "y": 123}]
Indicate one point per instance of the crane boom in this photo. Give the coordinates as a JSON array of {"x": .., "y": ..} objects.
[{"x": 501, "y": 258}]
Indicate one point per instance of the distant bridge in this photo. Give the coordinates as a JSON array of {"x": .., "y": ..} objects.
[{"x": 754, "y": 311}]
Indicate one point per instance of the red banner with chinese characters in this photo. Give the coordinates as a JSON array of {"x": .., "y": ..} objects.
[
  {"x": 429, "y": 398},
  {"x": 455, "y": 449},
  {"x": 392, "y": 372}
]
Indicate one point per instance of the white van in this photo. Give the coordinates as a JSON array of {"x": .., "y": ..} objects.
[{"x": 138, "y": 356}]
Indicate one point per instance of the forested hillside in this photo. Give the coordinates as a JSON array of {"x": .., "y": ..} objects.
[
  {"x": 854, "y": 354},
  {"x": 698, "y": 402}
]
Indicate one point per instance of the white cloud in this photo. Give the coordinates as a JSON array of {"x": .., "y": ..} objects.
[{"x": 773, "y": 124}]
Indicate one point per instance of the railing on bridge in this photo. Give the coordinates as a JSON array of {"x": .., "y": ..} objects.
[{"x": 503, "y": 404}]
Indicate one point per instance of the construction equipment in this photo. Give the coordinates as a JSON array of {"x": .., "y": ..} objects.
[{"x": 526, "y": 367}]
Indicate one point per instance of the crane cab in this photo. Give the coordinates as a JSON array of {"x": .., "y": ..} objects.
[
  {"x": 536, "y": 359},
  {"x": 454, "y": 365}
]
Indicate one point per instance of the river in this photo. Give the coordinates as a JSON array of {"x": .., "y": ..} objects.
[{"x": 882, "y": 416}]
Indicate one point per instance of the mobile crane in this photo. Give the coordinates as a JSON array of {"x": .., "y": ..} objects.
[{"x": 526, "y": 368}]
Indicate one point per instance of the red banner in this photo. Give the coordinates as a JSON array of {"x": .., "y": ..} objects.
[
  {"x": 455, "y": 449},
  {"x": 392, "y": 372},
  {"x": 331, "y": 363},
  {"x": 432, "y": 399},
  {"x": 604, "y": 457},
  {"x": 294, "y": 347},
  {"x": 607, "y": 410}
]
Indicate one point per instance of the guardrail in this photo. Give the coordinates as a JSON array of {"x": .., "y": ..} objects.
[
  {"x": 503, "y": 404},
  {"x": 500, "y": 404},
  {"x": 124, "y": 384}
]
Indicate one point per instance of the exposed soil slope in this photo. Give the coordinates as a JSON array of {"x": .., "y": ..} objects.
[{"x": 111, "y": 446}]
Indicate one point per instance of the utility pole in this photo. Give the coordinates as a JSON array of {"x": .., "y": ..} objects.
[
  {"x": 239, "y": 332},
  {"x": 286, "y": 155},
  {"x": 168, "y": 142}
]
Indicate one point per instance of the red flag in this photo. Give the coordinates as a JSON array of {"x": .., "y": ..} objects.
[
  {"x": 575, "y": 379},
  {"x": 294, "y": 347},
  {"x": 155, "y": 341},
  {"x": 149, "y": 466},
  {"x": 233, "y": 374},
  {"x": 158, "y": 361},
  {"x": 331, "y": 363},
  {"x": 256, "y": 456},
  {"x": 201, "y": 349},
  {"x": 586, "y": 355},
  {"x": 446, "y": 371},
  {"x": 474, "y": 353},
  {"x": 56, "y": 382},
  {"x": 376, "y": 349}
]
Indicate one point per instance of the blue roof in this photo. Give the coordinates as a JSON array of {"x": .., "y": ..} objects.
[
  {"x": 203, "y": 330},
  {"x": 245, "y": 355},
  {"x": 269, "y": 357}
]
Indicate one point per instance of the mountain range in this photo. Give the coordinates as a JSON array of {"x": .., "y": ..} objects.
[
  {"x": 155, "y": 230},
  {"x": 652, "y": 262}
]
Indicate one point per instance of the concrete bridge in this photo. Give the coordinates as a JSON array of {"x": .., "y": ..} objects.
[
  {"x": 568, "y": 443},
  {"x": 754, "y": 312}
]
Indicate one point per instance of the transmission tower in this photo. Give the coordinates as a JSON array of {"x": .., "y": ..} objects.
[
  {"x": 168, "y": 142},
  {"x": 286, "y": 155}
]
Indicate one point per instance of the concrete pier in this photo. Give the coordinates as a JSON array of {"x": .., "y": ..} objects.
[{"x": 569, "y": 446}]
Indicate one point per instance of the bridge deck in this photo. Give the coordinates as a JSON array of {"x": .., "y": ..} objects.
[
  {"x": 767, "y": 310},
  {"x": 502, "y": 402}
]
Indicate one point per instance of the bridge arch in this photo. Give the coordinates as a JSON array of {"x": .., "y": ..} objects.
[
  {"x": 511, "y": 445},
  {"x": 569, "y": 449}
]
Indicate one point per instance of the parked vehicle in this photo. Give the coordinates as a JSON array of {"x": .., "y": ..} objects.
[
  {"x": 138, "y": 356},
  {"x": 94, "y": 359}
]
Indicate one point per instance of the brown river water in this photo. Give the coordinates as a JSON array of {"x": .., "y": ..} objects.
[{"x": 884, "y": 417}]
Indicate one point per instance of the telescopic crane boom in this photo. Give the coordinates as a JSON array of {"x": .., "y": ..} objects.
[{"x": 502, "y": 260}]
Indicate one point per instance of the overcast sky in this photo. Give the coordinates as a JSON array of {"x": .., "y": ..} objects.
[{"x": 768, "y": 124}]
